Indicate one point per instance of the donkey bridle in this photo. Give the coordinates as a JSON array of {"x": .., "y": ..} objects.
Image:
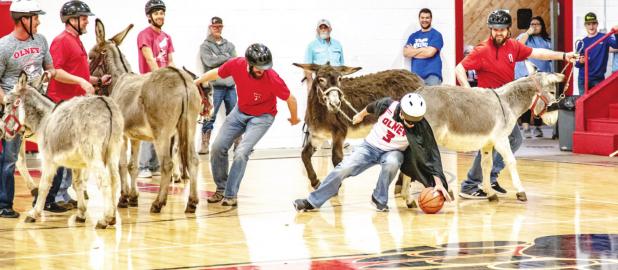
[
  {"x": 98, "y": 64},
  {"x": 539, "y": 96},
  {"x": 12, "y": 126},
  {"x": 343, "y": 99}
]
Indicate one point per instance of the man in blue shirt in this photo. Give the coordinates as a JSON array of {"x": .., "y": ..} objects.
[
  {"x": 323, "y": 49},
  {"x": 597, "y": 56},
  {"x": 423, "y": 49}
]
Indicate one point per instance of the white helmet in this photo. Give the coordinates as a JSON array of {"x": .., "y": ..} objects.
[
  {"x": 413, "y": 107},
  {"x": 25, "y": 8}
]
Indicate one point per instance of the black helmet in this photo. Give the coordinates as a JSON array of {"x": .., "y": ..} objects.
[
  {"x": 153, "y": 5},
  {"x": 73, "y": 9},
  {"x": 499, "y": 19},
  {"x": 259, "y": 56}
]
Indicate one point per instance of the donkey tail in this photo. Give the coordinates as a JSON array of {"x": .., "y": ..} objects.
[{"x": 109, "y": 135}]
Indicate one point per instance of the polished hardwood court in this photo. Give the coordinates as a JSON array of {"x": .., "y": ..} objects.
[{"x": 569, "y": 222}]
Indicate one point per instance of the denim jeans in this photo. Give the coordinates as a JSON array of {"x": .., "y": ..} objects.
[
  {"x": 148, "y": 157},
  {"x": 236, "y": 123},
  {"x": 8, "y": 158},
  {"x": 224, "y": 94},
  {"x": 363, "y": 157},
  {"x": 475, "y": 174},
  {"x": 592, "y": 82},
  {"x": 67, "y": 177},
  {"x": 432, "y": 80}
]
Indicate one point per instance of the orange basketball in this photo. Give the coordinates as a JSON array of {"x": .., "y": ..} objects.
[{"x": 429, "y": 201}]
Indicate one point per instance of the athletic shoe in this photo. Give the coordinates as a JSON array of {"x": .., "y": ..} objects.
[
  {"x": 302, "y": 205},
  {"x": 229, "y": 202},
  {"x": 498, "y": 189},
  {"x": 538, "y": 133},
  {"x": 478, "y": 194},
  {"x": 55, "y": 208},
  {"x": 379, "y": 207},
  {"x": 527, "y": 133},
  {"x": 144, "y": 174},
  {"x": 215, "y": 198},
  {"x": 8, "y": 213}
]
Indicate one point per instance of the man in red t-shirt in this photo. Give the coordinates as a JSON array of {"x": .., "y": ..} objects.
[
  {"x": 258, "y": 87},
  {"x": 155, "y": 51},
  {"x": 494, "y": 62},
  {"x": 69, "y": 54}
]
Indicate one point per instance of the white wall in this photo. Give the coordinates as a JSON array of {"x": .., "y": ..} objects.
[
  {"x": 372, "y": 34},
  {"x": 601, "y": 8}
]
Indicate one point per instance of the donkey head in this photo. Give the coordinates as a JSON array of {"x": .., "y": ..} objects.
[
  {"x": 14, "y": 116},
  {"x": 546, "y": 85},
  {"x": 105, "y": 57},
  {"x": 206, "y": 95},
  {"x": 327, "y": 83}
]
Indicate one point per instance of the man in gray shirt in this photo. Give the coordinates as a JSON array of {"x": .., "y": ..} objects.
[
  {"x": 214, "y": 52},
  {"x": 24, "y": 50}
]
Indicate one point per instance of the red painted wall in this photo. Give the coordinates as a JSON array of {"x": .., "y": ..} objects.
[{"x": 6, "y": 23}]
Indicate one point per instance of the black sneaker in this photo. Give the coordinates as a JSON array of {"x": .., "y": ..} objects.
[
  {"x": 379, "y": 207},
  {"x": 302, "y": 205},
  {"x": 55, "y": 208},
  {"x": 498, "y": 189},
  {"x": 8, "y": 213},
  {"x": 478, "y": 194}
]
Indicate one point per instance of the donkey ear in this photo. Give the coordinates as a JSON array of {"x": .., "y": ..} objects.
[
  {"x": 308, "y": 67},
  {"x": 189, "y": 72},
  {"x": 347, "y": 70},
  {"x": 99, "y": 30},
  {"x": 118, "y": 38},
  {"x": 38, "y": 83},
  {"x": 22, "y": 83},
  {"x": 530, "y": 67}
]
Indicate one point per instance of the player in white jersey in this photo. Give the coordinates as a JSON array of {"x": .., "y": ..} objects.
[{"x": 383, "y": 145}]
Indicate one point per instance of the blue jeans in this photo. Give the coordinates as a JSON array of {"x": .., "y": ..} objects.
[
  {"x": 148, "y": 157},
  {"x": 55, "y": 187},
  {"x": 475, "y": 174},
  {"x": 224, "y": 94},
  {"x": 592, "y": 82},
  {"x": 363, "y": 157},
  {"x": 236, "y": 123},
  {"x": 432, "y": 80},
  {"x": 67, "y": 177},
  {"x": 8, "y": 158}
]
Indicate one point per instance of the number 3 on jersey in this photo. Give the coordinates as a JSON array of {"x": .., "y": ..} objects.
[{"x": 389, "y": 136}]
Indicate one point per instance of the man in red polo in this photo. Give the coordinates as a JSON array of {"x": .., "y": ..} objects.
[
  {"x": 69, "y": 54},
  {"x": 494, "y": 62}
]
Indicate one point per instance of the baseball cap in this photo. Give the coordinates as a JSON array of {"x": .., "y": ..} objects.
[
  {"x": 590, "y": 17},
  {"x": 324, "y": 22},
  {"x": 216, "y": 21}
]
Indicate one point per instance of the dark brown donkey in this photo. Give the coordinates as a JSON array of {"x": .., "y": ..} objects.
[{"x": 333, "y": 101}]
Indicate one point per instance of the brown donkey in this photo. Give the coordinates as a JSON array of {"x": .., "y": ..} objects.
[{"x": 156, "y": 106}]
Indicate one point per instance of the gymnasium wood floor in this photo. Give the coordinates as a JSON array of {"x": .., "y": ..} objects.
[{"x": 569, "y": 222}]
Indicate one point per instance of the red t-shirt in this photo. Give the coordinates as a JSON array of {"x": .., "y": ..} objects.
[
  {"x": 494, "y": 66},
  {"x": 68, "y": 54},
  {"x": 160, "y": 44},
  {"x": 255, "y": 96}
]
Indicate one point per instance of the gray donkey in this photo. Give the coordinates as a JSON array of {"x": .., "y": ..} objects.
[
  {"x": 83, "y": 133},
  {"x": 156, "y": 106}
]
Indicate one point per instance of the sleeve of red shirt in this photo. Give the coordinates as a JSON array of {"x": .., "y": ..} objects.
[
  {"x": 280, "y": 89},
  {"x": 57, "y": 54},
  {"x": 144, "y": 40},
  {"x": 523, "y": 51},
  {"x": 474, "y": 60},
  {"x": 225, "y": 70}
]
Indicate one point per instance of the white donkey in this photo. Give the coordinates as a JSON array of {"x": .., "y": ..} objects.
[
  {"x": 465, "y": 119},
  {"x": 83, "y": 133}
]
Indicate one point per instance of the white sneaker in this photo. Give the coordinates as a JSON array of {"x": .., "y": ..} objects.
[
  {"x": 144, "y": 174},
  {"x": 156, "y": 173}
]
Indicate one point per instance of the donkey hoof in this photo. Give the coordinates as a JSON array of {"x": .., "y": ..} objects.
[
  {"x": 493, "y": 198},
  {"x": 34, "y": 192},
  {"x": 123, "y": 202},
  {"x": 86, "y": 195},
  {"x": 133, "y": 201},
  {"x": 315, "y": 185},
  {"x": 155, "y": 208},
  {"x": 398, "y": 189},
  {"x": 450, "y": 192},
  {"x": 412, "y": 205},
  {"x": 190, "y": 209},
  {"x": 112, "y": 221},
  {"x": 80, "y": 219},
  {"x": 29, "y": 219},
  {"x": 101, "y": 225},
  {"x": 522, "y": 196}
]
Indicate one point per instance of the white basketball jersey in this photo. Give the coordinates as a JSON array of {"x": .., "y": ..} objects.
[{"x": 388, "y": 134}]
